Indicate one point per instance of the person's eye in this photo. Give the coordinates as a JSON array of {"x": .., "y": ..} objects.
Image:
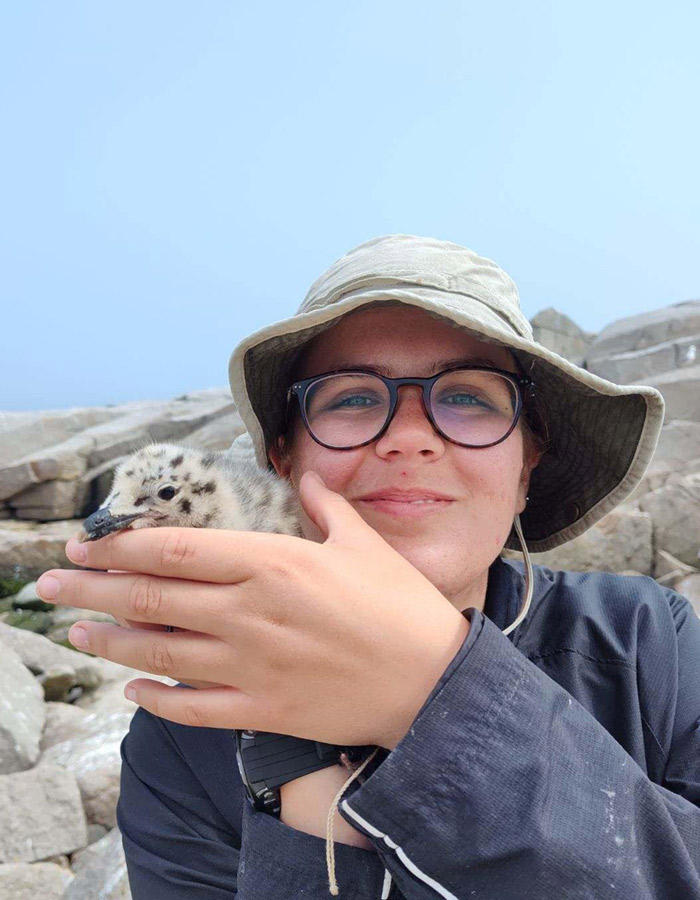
[
  {"x": 458, "y": 398},
  {"x": 350, "y": 401},
  {"x": 167, "y": 493}
]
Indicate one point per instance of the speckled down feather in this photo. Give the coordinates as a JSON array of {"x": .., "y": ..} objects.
[{"x": 170, "y": 485}]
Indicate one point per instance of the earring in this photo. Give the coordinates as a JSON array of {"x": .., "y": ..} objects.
[{"x": 528, "y": 497}]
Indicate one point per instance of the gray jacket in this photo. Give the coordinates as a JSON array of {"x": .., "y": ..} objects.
[{"x": 561, "y": 761}]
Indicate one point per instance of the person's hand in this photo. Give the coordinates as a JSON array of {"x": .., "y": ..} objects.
[
  {"x": 340, "y": 642},
  {"x": 152, "y": 626}
]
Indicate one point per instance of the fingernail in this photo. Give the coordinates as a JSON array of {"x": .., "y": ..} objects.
[
  {"x": 78, "y": 637},
  {"x": 130, "y": 694},
  {"x": 318, "y": 478},
  {"x": 47, "y": 587},
  {"x": 75, "y": 551}
]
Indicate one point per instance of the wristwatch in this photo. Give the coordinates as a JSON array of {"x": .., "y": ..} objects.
[{"x": 267, "y": 761}]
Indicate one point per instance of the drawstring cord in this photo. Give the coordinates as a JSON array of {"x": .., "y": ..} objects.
[
  {"x": 330, "y": 853},
  {"x": 528, "y": 576}
]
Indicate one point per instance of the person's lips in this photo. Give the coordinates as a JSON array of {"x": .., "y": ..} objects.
[
  {"x": 405, "y": 495},
  {"x": 408, "y": 502}
]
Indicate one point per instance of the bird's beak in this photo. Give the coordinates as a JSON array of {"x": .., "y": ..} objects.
[{"x": 102, "y": 523}]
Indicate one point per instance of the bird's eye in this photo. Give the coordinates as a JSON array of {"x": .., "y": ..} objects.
[{"x": 167, "y": 493}]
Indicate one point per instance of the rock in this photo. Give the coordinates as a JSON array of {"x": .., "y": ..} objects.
[
  {"x": 681, "y": 392},
  {"x": 679, "y": 443},
  {"x": 217, "y": 434},
  {"x": 559, "y": 333},
  {"x": 689, "y": 587},
  {"x": 60, "y": 860},
  {"x": 55, "y": 481},
  {"x": 39, "y": 654},
  {"x": 675, "y": 510},
  {"x": 25, "y": 881},
  {"x": 26, "y": 433},
  {"x": 57, "y": 681},
  {"x": 28, "y": 549},
  {"x": 22, "y": 713},
  {"x": 633, "y": 349},
  {"x": 100, "y": 871},
  {"x": 51, "y": 500},
  {"x": 28, "y": 598},
  {"x": 658, "y": 477},
  {"x": 90, "y": 750},
  {"x": 62, "y": 720},
  {"x": 668, "y": 569},
  {"x": 27, "y": 620},
  {"x": 41, "y": 815},
  {"x": 95, "y": 833},
  {"x": 92, "y": 755},
  {"x": 620, "y": 541}
]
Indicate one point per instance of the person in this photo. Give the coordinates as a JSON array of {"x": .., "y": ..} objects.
[{"x": 537, "y": 730}]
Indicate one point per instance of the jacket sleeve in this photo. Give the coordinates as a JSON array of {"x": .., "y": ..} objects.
[
  {"x": 505, "y": 786},
  {"x": 179, "y": 846},
  {"x": 176, "y": 843}
]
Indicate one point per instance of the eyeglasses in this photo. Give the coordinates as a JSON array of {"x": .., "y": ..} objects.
[{"x": 473, "y": 406}]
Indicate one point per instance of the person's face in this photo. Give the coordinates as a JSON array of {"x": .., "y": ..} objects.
[{"x": 452, "y": 543}]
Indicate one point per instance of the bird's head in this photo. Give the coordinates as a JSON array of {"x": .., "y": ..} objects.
[{"x": 161, "y": 484}]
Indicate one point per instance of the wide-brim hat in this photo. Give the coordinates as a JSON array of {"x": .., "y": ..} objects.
[{"x": 602, "y": 435}]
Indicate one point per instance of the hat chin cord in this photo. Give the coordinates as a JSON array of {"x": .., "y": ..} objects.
[
  {"x": 330, "y": 855},
  {"x": 528, "y": 575}
]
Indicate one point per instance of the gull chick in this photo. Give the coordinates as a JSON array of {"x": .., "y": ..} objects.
[{"x": 166, "y": 484}]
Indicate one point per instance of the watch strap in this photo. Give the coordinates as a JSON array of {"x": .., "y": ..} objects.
[
  {"x": 266, "y": 761},
  {"x": 276, "y": 759}
]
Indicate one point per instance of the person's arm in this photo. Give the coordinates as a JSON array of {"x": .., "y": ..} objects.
[
  {"x": 505, "y": 786},
  {"x": 179, "y": 846}
]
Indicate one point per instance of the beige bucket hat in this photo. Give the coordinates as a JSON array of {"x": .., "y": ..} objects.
[{"x": 602, "y": 435}]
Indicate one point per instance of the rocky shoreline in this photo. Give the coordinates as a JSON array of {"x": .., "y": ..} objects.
[{"x": 62, "y": 712}]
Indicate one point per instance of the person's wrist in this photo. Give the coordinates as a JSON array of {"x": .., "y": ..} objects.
[
  {"x": 305, "y": 802},
  {"x": 428, "y": 675}
]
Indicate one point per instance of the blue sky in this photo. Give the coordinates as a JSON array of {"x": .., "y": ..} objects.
[{"x": 173, "y": 176}]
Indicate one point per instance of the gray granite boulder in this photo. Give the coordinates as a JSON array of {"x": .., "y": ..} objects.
[
  {"x": 638, "y": 348},
  {"x": 100, "y": 871},
  {"x": 30, "y": 881},
  {"x": 54, "y": 479},
  {"x": 22, "y": 713},
  {"x": 675, "y": 510},
  {"x": 621, "y": 541},
  {"x": 689, "y": 587},
  {"x": 41, "y": 815},
  {"x": 559, "y": 333}
]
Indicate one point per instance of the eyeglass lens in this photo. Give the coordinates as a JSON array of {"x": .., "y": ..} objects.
[{"x": 469, "y": 406}]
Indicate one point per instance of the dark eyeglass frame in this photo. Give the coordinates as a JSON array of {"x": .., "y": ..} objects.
[{"x": 524, "y": 385}]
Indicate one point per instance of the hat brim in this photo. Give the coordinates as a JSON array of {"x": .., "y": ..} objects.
[{"x": 603, "y": 434}]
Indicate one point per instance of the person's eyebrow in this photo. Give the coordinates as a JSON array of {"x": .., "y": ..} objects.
[{"x": 435, "y": 367}]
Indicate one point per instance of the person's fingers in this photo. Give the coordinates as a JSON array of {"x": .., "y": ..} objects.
[
  {"x": 182, "y": 656},
  {"x": 198, "y": 554},
  {"x": 192, "y": 606},
  {"x": 222, "y": 707}
]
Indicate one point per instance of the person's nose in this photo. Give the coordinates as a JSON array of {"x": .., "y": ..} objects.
[{"x": 410, "y": 431}]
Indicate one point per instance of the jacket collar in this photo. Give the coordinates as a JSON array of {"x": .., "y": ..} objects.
[{"x": 505, "y": 592}]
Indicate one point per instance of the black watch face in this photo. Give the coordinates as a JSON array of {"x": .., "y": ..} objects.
[{"x": 261, "y": 797}]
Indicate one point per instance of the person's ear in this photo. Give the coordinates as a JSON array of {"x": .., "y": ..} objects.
[
  {"x": 531, "y": 460},
  {"x": 279, "y": 459}
]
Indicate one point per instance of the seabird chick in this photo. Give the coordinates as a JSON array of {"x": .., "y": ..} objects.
[{"x": 166, "y": 484}]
